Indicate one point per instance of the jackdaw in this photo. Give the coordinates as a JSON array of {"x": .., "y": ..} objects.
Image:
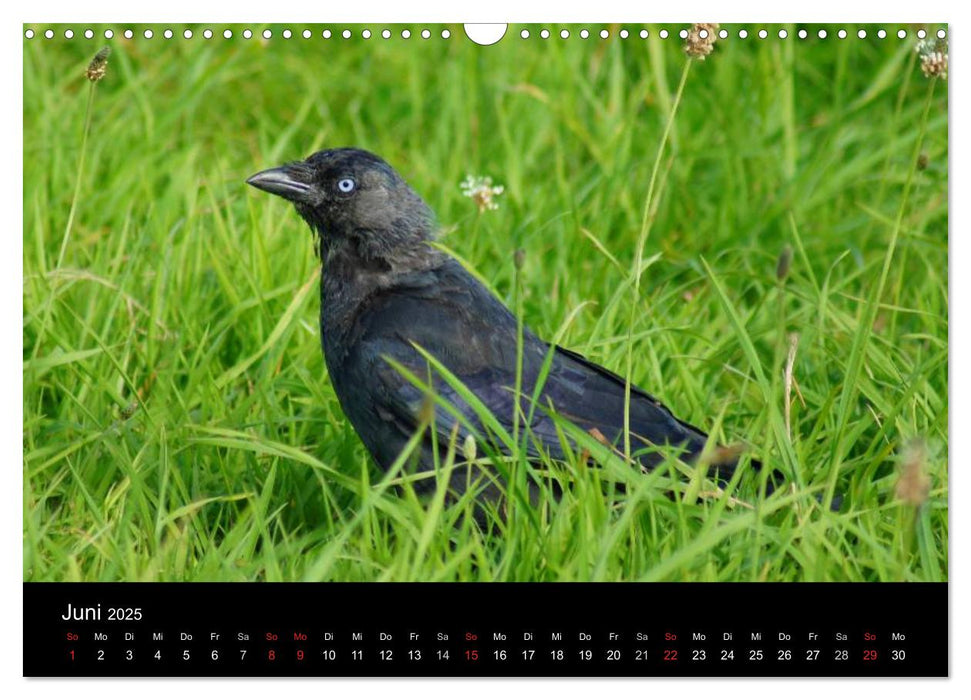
[{"x": 387, "y": 296}]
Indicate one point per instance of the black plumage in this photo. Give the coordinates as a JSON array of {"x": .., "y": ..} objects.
[{"x": 385, "y": 290}]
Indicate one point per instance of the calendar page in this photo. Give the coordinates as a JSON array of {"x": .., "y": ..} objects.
[{"x": 605, "y": 349}]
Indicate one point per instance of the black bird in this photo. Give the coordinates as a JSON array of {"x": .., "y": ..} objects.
[{"x": 384, "y": 290}]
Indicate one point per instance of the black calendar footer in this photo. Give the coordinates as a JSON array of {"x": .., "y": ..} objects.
[{"x": 474, "y": 629}]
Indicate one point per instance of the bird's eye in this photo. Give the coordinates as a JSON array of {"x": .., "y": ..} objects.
[{"x": 346, "y": 185}]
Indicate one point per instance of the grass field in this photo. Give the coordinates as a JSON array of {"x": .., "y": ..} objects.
[{"x": 178, "y": 419}]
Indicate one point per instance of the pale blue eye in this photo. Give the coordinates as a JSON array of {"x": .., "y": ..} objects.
[{"x": 346, "y": 185}]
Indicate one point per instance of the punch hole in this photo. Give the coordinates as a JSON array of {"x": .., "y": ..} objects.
[
  {"x": 247, "y": 34},
  {"x": 644, "y": 34},
  {"x": 366, "y": 34},
  {"x": 684, "y": 34},
  {"x": 663, "y": 33},
  {"x": 167, "y": 34},
  {"x": 763, "y": 34},
  {"x": 425, "y": 34},
  {"x": 207, "y": 34},
  {"x": 604, "y": 33},
  {"x": 941, "y": 34},
  {"x": 624, "y": 33},
  {"x": 742, "y": 34},
  {"x": 148, "y": 33},
  {"x": 405, "y": 33},
  {"x": 88, "y": 34},
  {"x": 524, "y": 34},
  {"x": 287, "y": 34},
  {"x": 129, "y": 33},
  {"x": 882, "y": 33},
  {"x": 68, "y": 33},
  {"x": 821, "y": 34},
  {"x": 386, "y": 34},
  {"x": 921, "y": 34},
  {"x": 325, "y": 34},
  {"x": 346, "y": 33},
  {"x": 564, "y": 34},
  {"x": 861, "y": 34},
  {"x": 109, "y": 33},
  {"x": 584, "y": 34},
  {"x": 485, "y": 34},
  {"x": 29, "y": 34},
  {"x": 446, "y": 34},
  {"x": 267, "y": 34},
  {"x": 901, "y": 34},
  {"x": 545, "y": 34},
  {"x": 723, "y": 34},
  {"x": 187, "y": 34},
  {"x": 841, "y": 33},
  {"x": 783, "y": 34},
  {"x": 227, "y": 34},
  {"x": 802, "y": 33}
]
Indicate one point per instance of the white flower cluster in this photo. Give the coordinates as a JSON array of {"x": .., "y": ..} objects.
[
  {"x": 481, "y": 191},
  {"x": 933, "y": 57}
]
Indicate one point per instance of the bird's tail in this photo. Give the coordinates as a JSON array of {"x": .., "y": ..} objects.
[{"x": 724, "y": 462}]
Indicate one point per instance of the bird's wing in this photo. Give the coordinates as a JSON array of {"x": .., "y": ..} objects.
[
  {"x": 466, "y": 329},
  {"x": 473, "y": 336},
  {"x": 594, "y": 398}
]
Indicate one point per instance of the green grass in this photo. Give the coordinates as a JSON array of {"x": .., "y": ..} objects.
[{"x": 178, "y": 419}]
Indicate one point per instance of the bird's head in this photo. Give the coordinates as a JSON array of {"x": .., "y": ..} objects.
[{"x": 351, "y": 197}]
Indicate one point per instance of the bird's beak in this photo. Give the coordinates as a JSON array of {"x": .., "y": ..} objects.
[{"x": 290, "y": 181}]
